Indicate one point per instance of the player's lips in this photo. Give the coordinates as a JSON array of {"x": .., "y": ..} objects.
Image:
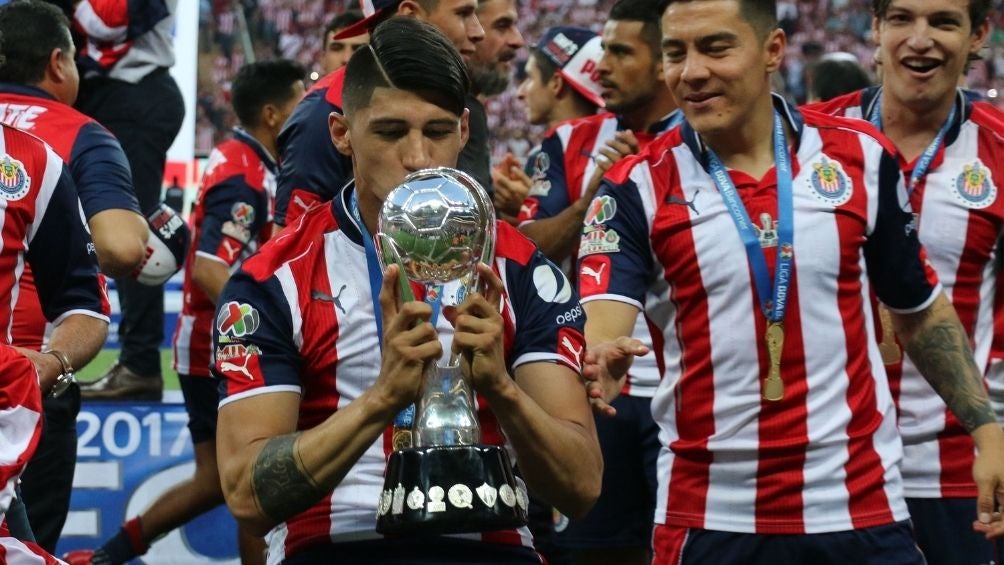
[
  {"x": 920, "y": 67},
  {"x": 700, "y": 100}
]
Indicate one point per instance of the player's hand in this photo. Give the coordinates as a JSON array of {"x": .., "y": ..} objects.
[
  {"x": 48, "y": 367},
  {"x": 478, "y": 335},
  {"x": 988, "y": 473},
  {"x": 604, "y": 369},
  {"x": 511, "y": 187},
  {"x": 622, "y": 144},
  {"x": 410, "y": 344}
]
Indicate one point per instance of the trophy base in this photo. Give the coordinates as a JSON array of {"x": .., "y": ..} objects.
[{"x": 450, "y": 490}]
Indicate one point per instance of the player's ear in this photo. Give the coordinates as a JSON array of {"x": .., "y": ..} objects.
[
  {"x": 338, "y": 126},
  {"x": 465, "y": 127}
]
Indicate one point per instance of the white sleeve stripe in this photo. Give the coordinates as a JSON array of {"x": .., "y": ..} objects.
[
  {"x": 82, "y": 312},
  {"x": 95, "y": 27},
  {"x": 259, "y": 391},
  {"x": 922, "y": 306},
  {"x": 613, "y": 297},
  {"x": 53, "y": 169}
]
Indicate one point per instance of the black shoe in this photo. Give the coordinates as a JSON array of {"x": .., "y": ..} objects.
[{"x": 120, "y": 383}]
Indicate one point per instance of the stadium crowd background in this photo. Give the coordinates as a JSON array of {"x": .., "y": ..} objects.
[{"x": 293, "y": 29}]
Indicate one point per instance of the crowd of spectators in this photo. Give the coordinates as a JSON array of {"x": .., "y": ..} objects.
[{"x": 293, "y": 29}]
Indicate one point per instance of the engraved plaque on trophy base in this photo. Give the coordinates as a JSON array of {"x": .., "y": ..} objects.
[{"x": 450, "y": 490}]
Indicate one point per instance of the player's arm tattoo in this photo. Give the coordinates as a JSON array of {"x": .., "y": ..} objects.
[
  {"x": 282, "y": 487},
  {"x": 940, "y": 349}
]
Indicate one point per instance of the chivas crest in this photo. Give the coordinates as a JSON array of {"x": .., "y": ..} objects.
[
  {"x": 829, "y": 182},
  {"x": 14, "y": 179},
  {"x": 974, "y": 186}
]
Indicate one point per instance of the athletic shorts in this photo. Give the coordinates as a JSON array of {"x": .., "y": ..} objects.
[{"x": 202, "y": 398}]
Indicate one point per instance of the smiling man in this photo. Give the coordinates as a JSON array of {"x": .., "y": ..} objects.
[
  {"x": 778, "y": 428},
  {"x": 952, "y": 153},
  {"x": 303, "y": 442}
]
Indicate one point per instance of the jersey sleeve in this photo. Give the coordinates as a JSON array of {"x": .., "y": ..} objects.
[
  {"x": 897, "y": 265},
  {"x": 311, "y": 169},
  {"x": 549, "y": 317},
  {"x": 115, "y": 21},
  {"x": 101, "y": 172},
  {"x": 548, "y": 194},
  {"x": 615, "y": 258},
  {"x": 254, "y": 352},
  {"x": 68, "y": 281},
  {"x": 20, "y": 419},
  {"x": 234, "y": 215}
]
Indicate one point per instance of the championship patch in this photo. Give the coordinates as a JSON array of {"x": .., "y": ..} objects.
[
  {"x": 236, "y": 231},
  {"x": 974, "y": 187},
  {"x": 237, "y": 320},
  {"x": 14, "y": 180},
  {"x": 829, "y": 182},
  {"x": 552, "y": 286},
  {"x": 601, "y": 210},
  {"x": 242, "y": 213},
  {"x": 541, "y": 163},
  {"x": 599, "y": 239}
]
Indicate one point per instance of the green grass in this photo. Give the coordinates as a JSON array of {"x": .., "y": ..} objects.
[{"x": 106, "y": 358}]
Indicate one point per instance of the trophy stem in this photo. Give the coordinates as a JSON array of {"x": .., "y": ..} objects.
[{"x": 446, "y": 413}]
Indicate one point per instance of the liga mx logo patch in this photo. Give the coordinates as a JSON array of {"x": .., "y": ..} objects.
[
  {"x": 829, "y": 182},
  {"x": 237, "y": 319},
  {"x": 975, "y": 187},
  {"x": 14, "y": 180}
]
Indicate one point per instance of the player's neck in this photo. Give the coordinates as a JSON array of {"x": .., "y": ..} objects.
[
  {"x": 750, "y": 147},
  {"x": 369, "y": 208},
  {"x": 912, "y": 129},
  {"x": 647, "y": 115},
  {"x": 266, "y": 138},
  {"x": 570, "y": 107}
]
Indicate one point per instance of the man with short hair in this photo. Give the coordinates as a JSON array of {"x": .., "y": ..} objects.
[
  {"x": 338, "y": 50},
  {"x": 305, "y": 419},
  {"x": 765, "y": 232},
  {"x": 834, "y": 75},
  {"x": 231, "y": 217},
  {"x": 312, "y": 171},
  {"x": 38, "y": 85},
  {"x": 951, "y": 150},
  {"x": 566, "y": 174}
]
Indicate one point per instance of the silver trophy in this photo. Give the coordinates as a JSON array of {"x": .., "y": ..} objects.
[{"x": 437, "y": 226}]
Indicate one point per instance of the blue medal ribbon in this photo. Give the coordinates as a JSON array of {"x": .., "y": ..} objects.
[
  {"x": 772, "y": 301},
  {"x": 927, "y": 157}
]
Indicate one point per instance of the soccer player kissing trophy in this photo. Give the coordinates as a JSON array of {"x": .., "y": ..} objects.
[{"x": 438, "y": 225}]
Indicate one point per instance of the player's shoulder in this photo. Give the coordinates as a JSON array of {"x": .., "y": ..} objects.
[
  {"x": 512, "y": 245},
  {"x": 828, "y": 124},
  {"x": 836, "y": 106},
  {"x": 988, "y": 117},
  {"x": 301, "y": 242},
  {"x": 654, "y": 156},
  {"x": 23, "y": 145}
]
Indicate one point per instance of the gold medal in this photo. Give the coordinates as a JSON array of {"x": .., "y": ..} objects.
[
  {"x": 401, "y": 438},
  {"x": 889, "y": 348},
  {"x": 773, "y": 387}
]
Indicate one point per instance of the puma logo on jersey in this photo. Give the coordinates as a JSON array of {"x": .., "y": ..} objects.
[
  {"x": 672, "y": 199},
  {"x": 325, "y": 297},
  {"x": 576, "y": 353},
  {"x": 590, "y": 272},
  {"x": 226, "y": 366},
  {"x": 230, "y": 249}
]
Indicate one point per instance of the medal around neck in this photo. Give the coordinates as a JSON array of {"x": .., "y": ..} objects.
[{"x": 437, "y": 226}]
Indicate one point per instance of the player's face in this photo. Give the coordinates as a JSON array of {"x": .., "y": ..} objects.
[
  {"x": 923, "y": 46},
  {"x": 338, "y": 51},
  {"x": 715, "y": 64},
  {"x": 502, "y": 38},
  {"x": 630, "y": 73},
  {"x": 400, "y": 133},
  {"x": 536, "y": 93},
  {"x": 459, "y": 23}
]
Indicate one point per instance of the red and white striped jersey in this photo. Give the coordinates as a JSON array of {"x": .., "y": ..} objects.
[
  {"x": 959, "y": 221},
  {"x": 21, "y": 428},
  {"x": 826, "y": 457},
  {"x": 299, "y": 317},
  {"x": 560, "y": 168},
  {"x": 231, "y": 219},
  {"x": 39, "y": 213}
]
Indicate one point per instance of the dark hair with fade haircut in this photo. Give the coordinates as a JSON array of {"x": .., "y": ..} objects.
[
  {"x": 407, "y": 54},
  {"x": 29, "y": 31},
  {"x": 834, "y": 77},
  {"x": 761, "y": 14},
  {"x": 261, "y": 83},
  {"x": 341, "y": 21},
  {"x": 648, "y": 12},
  {"x": 979, "y": 11}
]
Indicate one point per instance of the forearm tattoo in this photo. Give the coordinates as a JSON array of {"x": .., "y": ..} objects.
[
  {"x": 942, "y": 354},
  {"x": 282, "y": 487}
]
